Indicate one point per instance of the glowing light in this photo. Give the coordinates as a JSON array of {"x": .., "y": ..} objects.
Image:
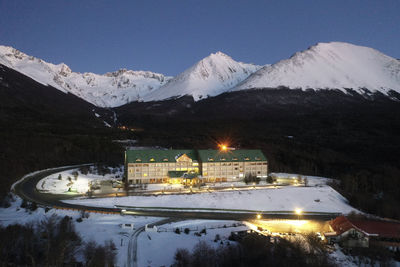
[
  {"x": 258, "y": 216},
  {"x": 223, "y": 147},
  {"x": 298, "y": 211}
]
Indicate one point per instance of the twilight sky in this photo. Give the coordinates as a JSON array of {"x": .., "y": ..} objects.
[{"x": 169, "y": 36}]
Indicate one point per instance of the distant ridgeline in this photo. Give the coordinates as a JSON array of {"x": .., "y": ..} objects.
[{"x": 193, "y": 166}]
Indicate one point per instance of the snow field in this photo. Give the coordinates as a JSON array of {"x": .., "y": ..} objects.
[
  {"x": 289, "y": 198},
  {"x": 158, "y": 249}
]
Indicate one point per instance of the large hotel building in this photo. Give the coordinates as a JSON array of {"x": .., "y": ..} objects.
[{"x": 193, "y": 166}]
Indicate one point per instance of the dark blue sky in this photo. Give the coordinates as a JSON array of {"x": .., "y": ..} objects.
[{"x": 169, "y": 36}]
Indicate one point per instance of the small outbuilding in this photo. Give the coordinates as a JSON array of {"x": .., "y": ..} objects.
[{"x": 352, "y": 232}]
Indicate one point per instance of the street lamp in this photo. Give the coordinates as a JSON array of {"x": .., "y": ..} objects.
[
  {"x": 298, "y": 212},
  {"x": 258, "y": 216}
]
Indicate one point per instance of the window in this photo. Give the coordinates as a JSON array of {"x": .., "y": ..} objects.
[
  {"x": 165, "y": 159},
  {"x": 138, "y": 160},
  {"x": 152, "y": 159},
  {"x": 235, "y": 158},
  {"x": 246, "y": 158},
  {"x": 210, "y": 159},
  {"x": 258, "y": 158},
  {"x": 223, "y": 159},
  {"x": 144, "y": 174}
]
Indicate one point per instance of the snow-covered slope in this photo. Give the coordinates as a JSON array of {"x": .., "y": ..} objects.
[
  {"x": 108, "y": 90},
  {"x": 331, "y": 66},
  {"x": 211, "y": 76}
]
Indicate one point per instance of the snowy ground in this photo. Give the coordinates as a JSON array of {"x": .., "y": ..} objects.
[
  {"x": 315, "y": 199},
  {"x": 98, "y": 227},
  {"x": 102, "y": 227},
  {"x": 158, "y": 249},
  {"x": 53, "y": 184},
  {"x": 311, "y": 180}
]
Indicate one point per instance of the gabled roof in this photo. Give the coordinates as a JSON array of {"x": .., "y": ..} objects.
[
  {"x": 369, "y": 227},
  {"x": 158, "y": 155},
  {"x": 210, "y": 155},
  {"x": 341, "y": 224}
]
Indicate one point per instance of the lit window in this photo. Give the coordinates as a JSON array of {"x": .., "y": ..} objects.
[
  {"x": 234, "y": 158},
  {"x": 246, "y": 159},
  {"x": 210, "y": 159},
  {"x": 223, "y": 159},
  {"x": 165, "y": 159},
  {"x": 138, "y": 160},
  {"x": 145, "y": 174},
  {"x": 152, "y": 159}
]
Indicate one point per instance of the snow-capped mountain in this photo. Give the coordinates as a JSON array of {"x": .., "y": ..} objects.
[
  {"x": 333, "y": 65},
  {"x": 211, "y": 76},
  {"x": 108, "y": 90}
]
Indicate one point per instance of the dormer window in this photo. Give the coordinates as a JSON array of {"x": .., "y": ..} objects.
[
  {"x": 138, "y": 160},
  {"x": 152, "y": 159},
  {"x": 258, "y": 158},
  {"x": 223, "y": 159},
  {"x": 235, "y": 158},
  {"x": 210, "y": 159},
  {"x": 246, "y": 158},
  {"x": 165, "y": 159}
]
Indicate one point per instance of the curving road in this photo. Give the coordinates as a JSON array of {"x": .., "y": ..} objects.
[{"x": 26, "y": 189}]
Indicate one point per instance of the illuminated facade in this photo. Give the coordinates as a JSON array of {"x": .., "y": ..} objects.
[{"x": 193, "y": 166}]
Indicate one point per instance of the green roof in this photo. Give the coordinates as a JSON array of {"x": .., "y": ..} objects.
[
  {"x": 182, "y": 174},
  {"x": 158, "y": 155},
  {"x": 231, "y": 155},
  {"x": 176, "y": 174}
]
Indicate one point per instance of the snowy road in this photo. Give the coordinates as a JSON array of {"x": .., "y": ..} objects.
[{"x": 26, "y": 189}]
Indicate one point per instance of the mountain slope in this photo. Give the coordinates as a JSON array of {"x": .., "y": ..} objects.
[
  {"x": 331, "y": 65},
  {"x": 108, "y": 90},
  {"x": 25, "y": 103},
  {"x": 210, "y": 76}
]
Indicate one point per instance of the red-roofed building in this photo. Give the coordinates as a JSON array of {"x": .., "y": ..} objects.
[{"x": 355, "y": 232}]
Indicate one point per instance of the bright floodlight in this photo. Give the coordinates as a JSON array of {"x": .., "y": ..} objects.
[
  {"x": 258, "y": 216},
  {"x": 298, "y": 211},
  {"x": 223, "y": 147}
]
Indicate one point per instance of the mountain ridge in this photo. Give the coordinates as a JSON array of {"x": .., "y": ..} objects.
[
  {"x": 104, "y": 90},
  {"x": 334, "y": 65}
]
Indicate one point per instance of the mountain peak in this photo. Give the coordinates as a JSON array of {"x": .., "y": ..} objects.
[
  {"x": 210, "y": 76},
  {"x": 334, "y": 65}
]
